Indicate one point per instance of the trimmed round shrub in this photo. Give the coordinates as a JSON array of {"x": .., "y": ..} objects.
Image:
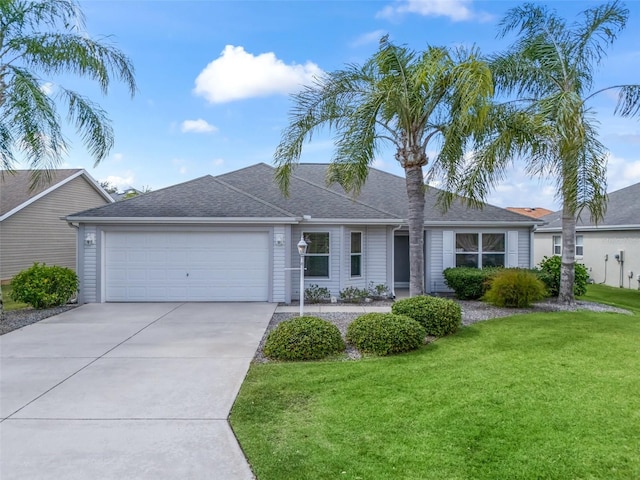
[
  {"x": 549, "y": 273},
  {"x": 385, "y": 333},
  {"x": 515, "y": 288},
  {"x": 43, "y": 286},
  {"x": 439, "y": 316},
  {"x": 303, "y": 338},
  {"x": 469, "y": 283}
]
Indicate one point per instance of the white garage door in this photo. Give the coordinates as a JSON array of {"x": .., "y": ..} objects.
[{"x": 190, "y": 266}]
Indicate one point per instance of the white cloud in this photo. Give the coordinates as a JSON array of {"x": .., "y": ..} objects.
[
  {"x": 198, "y": 126},
  {"x": 121, "y": 182},
  {"x": 368, "y": 38},
  {"x": 456, "y": 10},
  {"x": 181, "y": 164},
  {"x": 237, "y": 74},
  {"x": 117, "y": 157},
  {"x": 47, "y": 88},
  {"x": 622, "y": 173},
  {"x": 217, "y": 162}
]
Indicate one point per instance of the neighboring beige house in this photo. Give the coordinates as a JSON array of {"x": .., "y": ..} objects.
[
  {"x": 610, "y": 249},
  {"x": 31, "y": 228}
]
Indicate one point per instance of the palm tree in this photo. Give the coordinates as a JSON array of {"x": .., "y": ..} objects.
[
  {"x": 550, "y": 72},
  {"x": 407, "y": 99},
  {"x": 46, "y": 38}
]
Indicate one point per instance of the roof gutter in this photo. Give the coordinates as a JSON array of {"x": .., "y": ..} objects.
[
  {"x": 591, "y": 228},
  {"x": 181, "y": 220}
]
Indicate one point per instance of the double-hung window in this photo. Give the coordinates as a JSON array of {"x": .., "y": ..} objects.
[
  {"x": 316, "y": 261},
  {"x": 579, "y": 245},
  {"x": 480, "y": 250},
  {"x": 356, "y": 254},
  {"x": 557, "y": 245}
]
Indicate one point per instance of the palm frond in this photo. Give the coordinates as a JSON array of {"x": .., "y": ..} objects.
[{"x": 91, "y": 123}]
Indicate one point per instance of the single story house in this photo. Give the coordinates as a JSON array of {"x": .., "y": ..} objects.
[
  {"x": 233, "y": 238},
  {"x": 610, "y": 249},
  {"x": 32, "y": 228}
]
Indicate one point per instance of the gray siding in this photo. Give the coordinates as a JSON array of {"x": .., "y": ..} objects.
[
  {"x": 435, "y": 261},
  {"x": 374, "y": 257},
  {"x": 278, "y": 293},
  {"x": 524, "y": 249},
  {"x": 37, "y": 234},
  {"x": 89, "y": 264},
  {"x": 333, "y": 283}
]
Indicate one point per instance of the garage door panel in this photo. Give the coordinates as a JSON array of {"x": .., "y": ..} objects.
[{"x": 194, "y": 266}]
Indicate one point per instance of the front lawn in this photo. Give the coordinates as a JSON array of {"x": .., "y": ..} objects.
[
  {"x": 619, "y": 297},
  {"x": 548, "y": 395},
  {"x": 8, "y": 303}
]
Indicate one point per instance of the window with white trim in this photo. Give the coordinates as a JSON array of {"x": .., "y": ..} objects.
[
  {"x": 557, "y": 245},
  {"x": 316, "y": 261},
  {"x": 480, "y": 250},
  {"x": 356, "y": 254},
  {"x": 579, "y": 245}
]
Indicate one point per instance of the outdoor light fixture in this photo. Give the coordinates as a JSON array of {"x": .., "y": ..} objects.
[
  {"x": 302, "y": 250},
  {"x": 90, "y": 239}
]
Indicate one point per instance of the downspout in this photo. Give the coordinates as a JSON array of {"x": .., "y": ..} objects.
[{"x": 531, "y": 246}]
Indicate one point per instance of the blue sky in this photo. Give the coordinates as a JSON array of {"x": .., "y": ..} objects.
[{"x": 214, "y": 79}]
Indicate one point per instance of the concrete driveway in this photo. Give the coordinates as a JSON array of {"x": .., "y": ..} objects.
[{"x": 127, "y": 391}]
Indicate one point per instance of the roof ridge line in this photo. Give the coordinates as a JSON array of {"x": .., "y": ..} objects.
[
  {"x": 253, "y": 197},
  {"x": 324, "y": 187}
]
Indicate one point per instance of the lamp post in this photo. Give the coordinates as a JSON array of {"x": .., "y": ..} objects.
[{"x": 302, "y": 250}]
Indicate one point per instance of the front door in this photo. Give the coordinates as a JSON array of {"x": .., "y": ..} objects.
[{"x": 401, "y": 261}]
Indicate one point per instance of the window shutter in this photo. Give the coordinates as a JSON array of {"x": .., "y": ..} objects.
[
  {"x": 512, "y": 249},
  {"x": 448, "y": 260}
]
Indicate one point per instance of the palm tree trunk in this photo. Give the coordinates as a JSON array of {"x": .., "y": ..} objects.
[
  {"x": 415, "y": 194},
  {"x": 567, "y": 269}
]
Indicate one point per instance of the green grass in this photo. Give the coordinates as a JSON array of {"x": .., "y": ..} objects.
[
  {"x": 544, "y": 396},
  {"x": 8, "y": 303},
  {"x": 619, "y": 297}
]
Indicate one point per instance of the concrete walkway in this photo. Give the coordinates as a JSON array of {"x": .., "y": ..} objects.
[
  {"x": 328, "y": 307},
  {"x": 127, "y": 391}
]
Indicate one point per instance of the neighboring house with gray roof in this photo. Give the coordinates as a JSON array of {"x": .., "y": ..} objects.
[
  {"x": 32, "y": 228},
  {"x": 233, "y": 237},
  {"x": 609, "y": 249}
]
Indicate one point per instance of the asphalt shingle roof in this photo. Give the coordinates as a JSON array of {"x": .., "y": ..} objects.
[
  {"x": 204, "y": 197},
  {"x": 305, "y": 198},
  {"x": 388, "y": 192},
  {"x": 622, "y": 209},
  {"x": 252, "y": 192},
  {"x": 15, "y": 187}
]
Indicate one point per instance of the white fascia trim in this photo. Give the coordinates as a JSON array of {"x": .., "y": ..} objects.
[
  {"x": 351, "y": 221},
  {"x": 40, "y": 195},
  {"x": 98, "y": 187},
  {"x": 180, "y": 220},
  {"x": 487, "y": 224},
  {"x": 592, "y": 228}
]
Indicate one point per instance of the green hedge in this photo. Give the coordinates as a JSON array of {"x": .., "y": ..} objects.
[
  {"x": 43, "y": 286},
  {"x": 303, "y": 338},
  {"x": 385, "y": 333},
  {"x": 439, "y": 316},
  {"x": 549, "y": 273},
  {"x": 469, "y": 283}
]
